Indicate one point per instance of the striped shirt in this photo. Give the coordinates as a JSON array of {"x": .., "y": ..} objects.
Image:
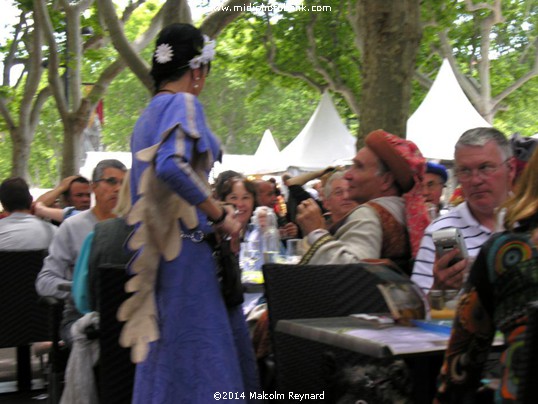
[{"x": 474, "y": 235}]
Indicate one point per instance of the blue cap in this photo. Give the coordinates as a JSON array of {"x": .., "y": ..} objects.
[{"x": 438, "y": 169}]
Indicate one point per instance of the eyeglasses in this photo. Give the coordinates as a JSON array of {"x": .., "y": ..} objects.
[
  {"x": 339, "y": 193},
  {"x": 111, "y": 181},
  {"x": 483, "y": 171},
  {"x": 432, "y": 185}
]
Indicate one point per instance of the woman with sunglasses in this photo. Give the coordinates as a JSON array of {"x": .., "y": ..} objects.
[{"x": 188, "y": 343}]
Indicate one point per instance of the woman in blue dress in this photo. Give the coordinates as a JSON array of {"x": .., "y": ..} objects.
[{"x": 189, "y": 345}]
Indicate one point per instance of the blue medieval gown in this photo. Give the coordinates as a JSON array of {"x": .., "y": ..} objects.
[{"x": 204, "y": 347}]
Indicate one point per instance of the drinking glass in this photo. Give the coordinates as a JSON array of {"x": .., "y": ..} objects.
[
  {"x": 250, "y": 255},
  {"x": 294, "y": 250}
]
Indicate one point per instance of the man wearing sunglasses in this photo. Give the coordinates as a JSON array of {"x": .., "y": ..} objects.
[
  {"x": 57, "y": 271},
  {"x": 485, "y": 170}
]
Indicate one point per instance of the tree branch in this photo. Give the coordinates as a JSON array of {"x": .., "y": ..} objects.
[
  {"x": 6, "y": 114},
  {"x": 42, "y": 19},
  {"x": 271, "y": 60},
  {"x": 10, "y": 60},
  {"x": 215, "y": 22}
]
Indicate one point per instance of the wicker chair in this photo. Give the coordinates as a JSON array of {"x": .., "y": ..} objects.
[
  {"x": 22, "y": 319},
  {"x": 312, "y": 291},
  {"x": 115, "y": 371}
]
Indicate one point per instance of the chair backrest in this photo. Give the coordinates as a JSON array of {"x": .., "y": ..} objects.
[
  {"x": 22, "y": 319},
  {"x": 528, "y": 388},
  {"x": 311, "y": 291},
  {"x": 116, "y": 371}
]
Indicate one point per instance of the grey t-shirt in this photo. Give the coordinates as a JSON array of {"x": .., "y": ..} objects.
[{"x": 23, "y": 231}]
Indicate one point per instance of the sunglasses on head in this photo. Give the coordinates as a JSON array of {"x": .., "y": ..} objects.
[{"x": 111, "y": 181}]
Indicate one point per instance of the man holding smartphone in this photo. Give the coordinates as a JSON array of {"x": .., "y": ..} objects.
[{"x": 484, "y": 167}]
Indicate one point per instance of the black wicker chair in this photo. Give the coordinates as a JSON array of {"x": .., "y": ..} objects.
[
  {"x": 312, "y": 291},
  {"x": 115, "y": 371},
  {"x": 22, "y": 319}
]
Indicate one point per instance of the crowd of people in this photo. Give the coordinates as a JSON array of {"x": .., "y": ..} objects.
[{"x": 161, "y": 220}]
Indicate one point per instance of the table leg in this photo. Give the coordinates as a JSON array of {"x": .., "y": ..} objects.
[{"x": 24, "y": 368}]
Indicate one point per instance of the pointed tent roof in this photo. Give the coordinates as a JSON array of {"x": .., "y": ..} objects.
[
  {"x": 267, "y": 158},
  {"x": 442, "y": 117},
  {"x": 267, "y": 145},
  {"x": 323, "y": 141}
]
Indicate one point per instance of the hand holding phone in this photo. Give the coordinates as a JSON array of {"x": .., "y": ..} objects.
[{"x": 448, "y": 239}]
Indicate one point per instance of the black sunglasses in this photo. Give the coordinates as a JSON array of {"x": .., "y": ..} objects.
[{"x": 111, "y": 181}]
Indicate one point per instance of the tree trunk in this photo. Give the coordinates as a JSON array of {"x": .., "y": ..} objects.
[
  {"x": 21, "y": 139},
  {"x": 72, "y": 148},
  {"x": 391, "y": 30}
]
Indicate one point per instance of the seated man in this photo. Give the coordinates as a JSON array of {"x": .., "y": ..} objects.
[
  {"x": 76, "y": 193},
  {"x": 58, "y": 266},
  {"x": 266, "y": 195},
  {"x": 21, "y": 230},
  {"x": 383, "y": 171},
  {"x": 336, "y": 199},
  {"x": 485, "y": 171},
  {"x": 432, "y": 187}
]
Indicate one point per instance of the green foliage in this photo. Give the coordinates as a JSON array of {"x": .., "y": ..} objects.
[
  {"x": 244, "y": 96},
  {"x": 123, "y": 103},
  {"x": 5, "y": 155},
  {"x": 46, "y": 152},
  {"x": 511, "y": 54}
]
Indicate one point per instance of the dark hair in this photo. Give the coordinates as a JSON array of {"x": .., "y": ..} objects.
[
  {"x": 185, "y": 42},
  {"x": 226, "y": 181},
  {"x": 82, "y": 180},
  {"x": 15, "y": 195},
  {"x": 104, "y": 164}
]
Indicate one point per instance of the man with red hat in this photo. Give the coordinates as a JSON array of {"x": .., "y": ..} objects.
[{"x": 390, "y": 219}]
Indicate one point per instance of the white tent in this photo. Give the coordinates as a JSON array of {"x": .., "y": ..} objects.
[
  {"x": 92, "y": 158},
  {"x": 324, "y": 140},
  {"x": 267, "y": 158},
  {"x": 443, "y": 116},
  {"x": 236, "y": 162}
]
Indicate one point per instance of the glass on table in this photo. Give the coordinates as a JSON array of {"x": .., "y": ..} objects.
[
  {"x": 294, "y": 250},
  {"x": 250, "y": 262}
]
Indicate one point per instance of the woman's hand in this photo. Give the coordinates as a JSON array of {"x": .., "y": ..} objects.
[{"x": 230, "y": 228}]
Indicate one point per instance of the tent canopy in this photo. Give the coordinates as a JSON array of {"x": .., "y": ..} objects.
[
  {"x": 324, "y": 140},
  {"x": 92, "y": 158},
  {"x": 442, "y": 117},
  {"x": 267, "y": 158}
]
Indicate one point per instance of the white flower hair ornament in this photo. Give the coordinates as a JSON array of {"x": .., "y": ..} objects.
[
  {"x": 164, "y": 53},
  {"x": 207, "y": 55}
]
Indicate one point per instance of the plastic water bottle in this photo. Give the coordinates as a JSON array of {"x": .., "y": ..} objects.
[{"x": 270, "y": 237}]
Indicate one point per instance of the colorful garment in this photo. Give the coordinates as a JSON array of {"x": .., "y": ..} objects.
[
  {"x": 201, "y": 347},
  {"x": 503, "y": 279}
]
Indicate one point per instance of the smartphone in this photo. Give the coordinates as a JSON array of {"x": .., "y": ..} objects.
[{"x": 446, "y": 240}]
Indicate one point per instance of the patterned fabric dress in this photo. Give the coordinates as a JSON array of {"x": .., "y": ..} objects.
[
  {"x": 504, "y": 278},
  {"x": 203, "y": 347}
]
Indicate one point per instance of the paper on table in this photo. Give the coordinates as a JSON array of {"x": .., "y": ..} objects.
[{"x": 403, "y": 340}]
